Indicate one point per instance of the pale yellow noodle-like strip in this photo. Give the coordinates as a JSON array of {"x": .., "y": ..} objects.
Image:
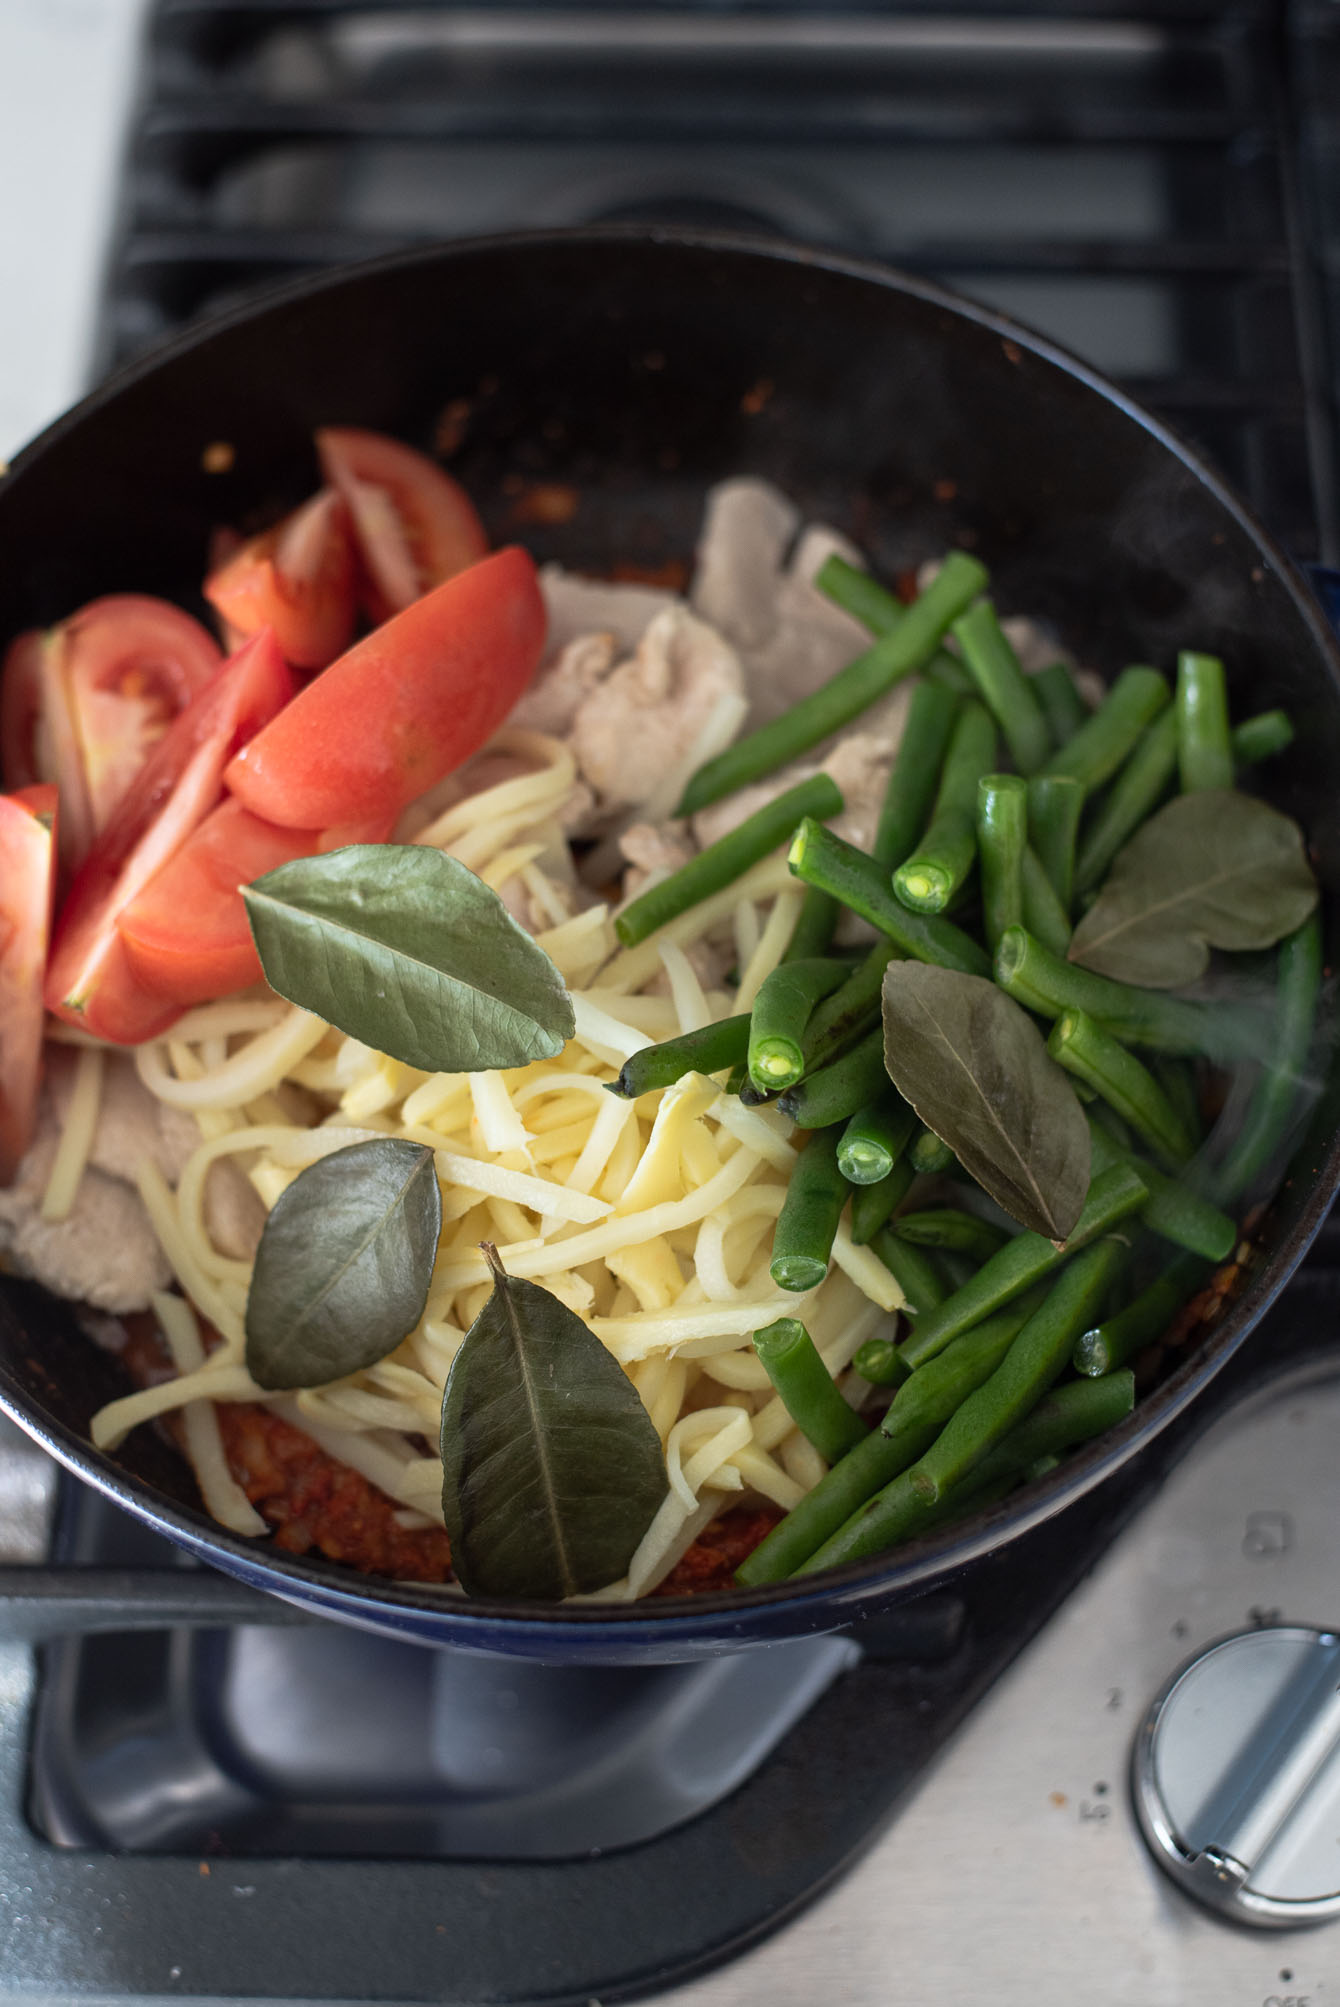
[
  {"x": 760, "y": 1472},
  {"x": 777, "y": 931},
  {"x": 260, "y": 1065},
  {"x": 718, "y": 1432},
  {"x": 500, "y": 1127},
  {"x": 203, "y": 1290},
  {"x": 801, "y": 1460},
  {"x": 537, "y": 1194},
  {"x": 220, "y": 1490},
  {"x": 686, "y": 992},
  {"x": 76, "y": 1138},
  {"x": 112, "y": 1424},
  {"x": 748, "y": 932},
  {"x": 554, "y": 773},
  {"x": 634, "y": 966}
]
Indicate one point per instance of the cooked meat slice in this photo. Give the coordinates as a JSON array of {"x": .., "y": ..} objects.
[
  {"x": 711, "y": 1562},
  {"x": 313, "y": 1502},
  {"x": 859, "y": 762},
  {"x": 655, "y": 718},
  {"x": 555, "y": 697},
  {"x": 812, "y": 638},
  {"x": 577, "y": 605},
  {"x": 106, "y": 1253},
  {"x": 133, "y": 1125},
  {"x": 653, "y": 850},
  {"x": 234, "y": 1212},
  {"x": 747, "y": 526}
]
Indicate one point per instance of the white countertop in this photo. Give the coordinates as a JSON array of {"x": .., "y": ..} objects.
[{"x": 66, "y": 74}]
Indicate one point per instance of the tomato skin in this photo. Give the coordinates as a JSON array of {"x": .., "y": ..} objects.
[
  {"x": 297, "y": 578},
  {"x": 405, "y": 706},
  {"x": 415, "y": 527},
  {"x": 186, "y": 935},
  {"x": 27, "y": 886},
  {"x": 90, "y": 981},
  {"x": 85, "y": 703}
]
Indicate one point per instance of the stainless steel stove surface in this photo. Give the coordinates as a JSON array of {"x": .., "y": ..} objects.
[{"x": 183, "y": 1810}]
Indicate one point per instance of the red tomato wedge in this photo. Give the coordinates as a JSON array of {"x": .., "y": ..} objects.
[
  {"x": 27, "y": 882},
  {"x": 405, "y": 706},
  {"x": 297, "y": 578},
  {"x": 90, "y": 981},
  {"x": 414, "y": 525},
  {"x": 186, "y": 934},
  {"x": 85, "y": 703}
]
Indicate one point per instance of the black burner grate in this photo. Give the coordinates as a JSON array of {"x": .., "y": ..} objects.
[{"x": 1147, "y": 183}]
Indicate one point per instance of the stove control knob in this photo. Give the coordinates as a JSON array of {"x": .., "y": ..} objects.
[{"x": 1236, "y": 1777}]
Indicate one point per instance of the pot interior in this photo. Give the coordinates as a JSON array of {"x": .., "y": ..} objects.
[{"x": 588, "y": 389}]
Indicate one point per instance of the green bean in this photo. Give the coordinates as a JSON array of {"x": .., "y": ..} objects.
[
  {"x": 1113, "y": 1196},
  {"x": 1261, "y": 737},
  {"x": 851, "y": 1011},
  {"x": 1043, "y": 982},
  {"x": 875, "y": 1138},
  {"x": 1175, "y": 1077},
  {"x": 1002, "y": 685},
  {"x": 928, "y": 1155},
  {"x": 1036, "y": 1359},
  {"x": 928, "y": 879},
  {"x": 808, "y": 1390},
  {"x": 877, "y": 1361},
  {"x": 803, "y": 1239},
  {"x": 954, "y": 1269},
  {"x": 1044, "y": 915},
  {"x": 818, "y": 857},
  {"x": 711, "y": 1050},
  {"x": 1086, "y": 1050},
  {"x": 1068, "y": 1416},
  {"x": 1054, "y": 805},
  {"x": 727, "y": 859},
  {"x": 858, "y": 594},
  {"x": 755, "y": 1097},
  {"x": 1175, "y": 1211},
  {"x": 782, "y": 1009},
  {"x": 1204, "y": 752},
  {"x": 1107, "y": 1346},
  {"x": 835, "y": 1092},
  {"x": 1275, "y": 1095},
  {"x": 1137, "y": 790},
  {"x": 947, "y": 672},
  {"x": 915, "y": 774},
  {"x": 881, "y": 611},
  {"x": 946, "y": 1227},
  {"x": 913, "y": 1270},
  {"x": 1062, "y": 705},
  {"x": 1103, "y": 742},
  {"x": 814, "y": 928},
  {"x": 872, "y": 1205},
  {"x": 918, "y": 1412},
  {"x": 737, "y": 1078},
  {"x": 853, "y": 690},
  {"x": 1002, "y": 838}
]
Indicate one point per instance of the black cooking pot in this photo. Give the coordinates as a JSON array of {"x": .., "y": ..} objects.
[{"x": 637, "y": 368}]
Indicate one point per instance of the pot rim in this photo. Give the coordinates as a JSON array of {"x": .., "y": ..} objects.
[{"x": 826, "y": 1599}]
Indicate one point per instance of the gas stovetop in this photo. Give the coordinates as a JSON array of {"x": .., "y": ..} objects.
[{"x": 182, "y": 1810}]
